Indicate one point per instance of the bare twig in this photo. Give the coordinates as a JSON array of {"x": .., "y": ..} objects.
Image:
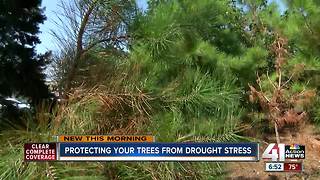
[
  {"x": 277, "y": 133},
  {"x": 270, "y": 81}
]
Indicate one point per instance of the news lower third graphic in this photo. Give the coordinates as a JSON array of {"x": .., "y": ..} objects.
[
  {"x": 136, "y": 148},
  {"x": 107, "y": 138},
  {"x": 277, "y": 157},
  {"x": 158, "y": 152},
  {"x": 283, "y": 166},
  {"x": 284, "y": 158},
  {"x": 40, "y": 152}
]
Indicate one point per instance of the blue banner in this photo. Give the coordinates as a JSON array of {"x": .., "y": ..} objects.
[{"x": 158, "y": 151}]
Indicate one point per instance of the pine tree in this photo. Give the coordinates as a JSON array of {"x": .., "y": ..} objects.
[
  {"x": 284, "y": 93},
  {"x": 20, "y": 67},
  {"x": 302, "y": 29}
]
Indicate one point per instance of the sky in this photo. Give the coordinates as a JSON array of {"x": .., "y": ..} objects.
[
  {"x": 52, "y": 6},
  {"x": 47, "y": 41}
]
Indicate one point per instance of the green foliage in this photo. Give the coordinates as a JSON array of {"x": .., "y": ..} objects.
[
  {"x": 178, "y": 65},
  {"x": 166, "y": 170},
  {"x": 20, "y": 67},
  {"x": 42, "y": 128}
]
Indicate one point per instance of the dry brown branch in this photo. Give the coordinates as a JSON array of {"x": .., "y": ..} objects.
[
  {"x": 85, "y": 25},
  {"x": 280, "y": 109},
  {"x": 112, "y": 111}
]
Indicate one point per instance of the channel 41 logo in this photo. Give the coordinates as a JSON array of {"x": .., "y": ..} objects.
[{"x": 281, "y": 152}]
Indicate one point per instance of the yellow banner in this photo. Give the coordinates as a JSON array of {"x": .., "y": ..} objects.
[{"x": 108, "y": 138}]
